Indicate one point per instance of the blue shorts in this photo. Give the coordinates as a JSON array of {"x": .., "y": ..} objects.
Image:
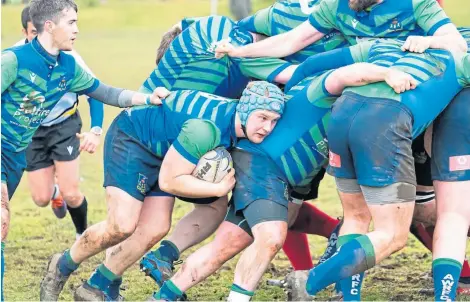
[
  {"x": 128, "y": 164},
  {"x": 450, "y": 159},
  {"x": 258, "y": 177},
  {"x": 13, "y": 165},
  {"x": 370, "y": 140}
]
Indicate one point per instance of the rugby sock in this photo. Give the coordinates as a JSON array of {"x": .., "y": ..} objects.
[
  {"x": 169, "y": 292},
  {"x": 350, "y": 287},
  {"x": 167, "y": 252},
  {"x": 354, "y": 257},
  {"x": 114, "y": 288},
  {"x": 79, "y": 216},
  {"x": 66, "y": 264},
  {"x": 424, "y": 235},
  {"x": 465, "y": 270},
  {"x": 238, "y": 293},
  {"x": 3, "y": 271},
  {"x": 102, "y": 278},
  {"x": 332, "y": 244},
  {"x": 446, "y": 276},
  {"x": 297, "y": 250},
  {"x": 312, "y": 220}
]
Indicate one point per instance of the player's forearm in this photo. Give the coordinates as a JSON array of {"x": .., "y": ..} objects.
[
  {"x": 284, "y": 76},
  {"x": 96, "y": 112},
  {"x": 189, "y": 186},
  {"x": 118, "y": 97},
  {"x": 357, "y": 74},
  {"x": 450, "y": 42}
]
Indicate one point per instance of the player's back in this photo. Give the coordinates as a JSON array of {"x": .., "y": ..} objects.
[
  {"x": 158, "y": 126},
  {"x": 190, "y": 63},
  {"x": 283, "y": 16},
  {"x": 298, "y": 143}
]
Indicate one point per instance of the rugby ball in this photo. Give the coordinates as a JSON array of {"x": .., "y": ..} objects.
[{"x": 213, "y": 165}]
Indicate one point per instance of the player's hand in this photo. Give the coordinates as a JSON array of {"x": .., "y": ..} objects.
[
  {"x": 400, "y": 81},
  {"x": 158, "y": 94},
  {"x": 223, "y": 48},
  {"x": 227, "y": 183},
  {"x": 89, "y": 142},
  {"x": 416, "y": 44}
]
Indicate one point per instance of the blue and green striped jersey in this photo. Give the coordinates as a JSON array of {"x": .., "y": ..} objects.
[
  {"x": 33, "y": 82},
  {"x": 283, "y": 16},
  {"x": 298, "y": 143},
  {"x": 465, "y": 32},
  {"x": 388, "y": 19},
  {"x": 439, "y": 73},
  {"x": 189, "y": 62},
  {"x": 193, "y": 122}
]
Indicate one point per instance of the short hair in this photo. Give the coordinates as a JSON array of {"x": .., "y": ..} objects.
[
  {"x": 165, "y": 42},
  {"x": 43, "y": 10},
  {"x": 25, "y": 17}
]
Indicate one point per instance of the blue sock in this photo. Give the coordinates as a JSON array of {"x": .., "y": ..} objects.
[
  {"x": 353, "y": 257},
  {"x": 102, "y": 277},
  {"x": 3, "y": 271},
  {"x": 114, "y": 288},
  {"x": 446, "y": 274},
  {"x": 169, "y": 291},
  {"x": 66, "y": 264},
  {"x": 167, "y": 252},
  {"x": 350, "y": 287}
]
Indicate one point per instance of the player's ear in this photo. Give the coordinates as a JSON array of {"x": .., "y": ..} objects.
[{"x": 49, "y": 26}]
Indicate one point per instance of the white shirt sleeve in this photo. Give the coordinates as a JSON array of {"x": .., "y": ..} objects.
[{"x": 80, "y": 61}]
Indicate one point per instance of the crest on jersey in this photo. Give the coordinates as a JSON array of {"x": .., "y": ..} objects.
[
  {"x": 62, "y": 85},
  {"x": 142, "y": 183},
  {"x": 395, "y": 25}
]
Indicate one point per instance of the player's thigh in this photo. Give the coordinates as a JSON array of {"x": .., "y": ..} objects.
[
  {"x": 156, "y": 213},
  {"x": 451, "y": 141},
  {"x": 453, "y": 197},
  {"x": 5, "y": 211},
  {"x": 41, "y": 184},
  {"x": 380, "y": 141},
  {"x": 123, "y": 210}
]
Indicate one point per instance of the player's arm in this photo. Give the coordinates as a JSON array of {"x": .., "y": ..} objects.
[
  {"x": 267, "y": 69},
  {"x": 9, "y": 69},
  {"x": 85, "y": 83},
  {"x": 330, "y": 60},
  {"x": 439, "y": 30},
  {"x": 196, "y": 138},
  {"x": 360, "y": 74}
]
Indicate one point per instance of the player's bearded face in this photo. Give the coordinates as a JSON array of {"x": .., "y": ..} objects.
[
  {"x": 360, "y": 5},
  {"x": 66, "y": 30},
  {"x": 260, "y": 124}
]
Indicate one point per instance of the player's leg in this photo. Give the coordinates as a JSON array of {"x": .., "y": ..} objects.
[
  {"x": 384, "y": 168},
  {"x": 41, "y": 184},
  {"x": 192, "y": 229},
  {"x": 153, "y": 224},
  {"x": 231, "y": 237},
  {"x": 451, "y": 175}
]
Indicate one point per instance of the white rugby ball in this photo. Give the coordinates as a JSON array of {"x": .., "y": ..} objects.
[{"x": 213, "y": 165}]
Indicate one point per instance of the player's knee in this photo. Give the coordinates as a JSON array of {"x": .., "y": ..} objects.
[
  {"x": 72, "y": 196},
  {"x": 121, "y": 229},
  {"x": 41, "y": 199},
  {"x": 271, "y": 236}
]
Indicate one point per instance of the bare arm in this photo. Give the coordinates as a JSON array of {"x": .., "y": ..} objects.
[
  {"x": 278, "y": 46},
  {"x": 175, "y": 178},
  {"x": 446, "y": 37},
  {"x": 360, "y": 74},
  {"x": 284, "y": 76}
]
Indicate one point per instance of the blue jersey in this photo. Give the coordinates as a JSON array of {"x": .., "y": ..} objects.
[
  {"x": 283, "y": 16},
  {"x": 193, "y": 122},
  {"x": 298, "y": 143},
  {"x": 190, "y": 63}
]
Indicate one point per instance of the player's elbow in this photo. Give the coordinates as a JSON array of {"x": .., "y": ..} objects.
[{"x": 166, "y": 183}]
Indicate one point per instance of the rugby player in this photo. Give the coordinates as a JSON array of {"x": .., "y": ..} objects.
[
  {"x": 185, "y": 59},
  {"x": 35, "y": 77},
  {"x": 358, "y": 19},
  {"x": 150, "y": 153},
  {"x": 55, "y": 148},
  {"x": 290, "y": 156},
  {"x": 383, "y": 178}
]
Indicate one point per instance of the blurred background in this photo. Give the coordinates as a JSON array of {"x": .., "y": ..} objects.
[{"x": 118, "y": 40}]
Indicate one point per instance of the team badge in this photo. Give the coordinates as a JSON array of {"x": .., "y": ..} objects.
[
  {"x": 395, "y": 25},
  {"x": 142, "y": 183},
  {"x": 62, "y": 85}
]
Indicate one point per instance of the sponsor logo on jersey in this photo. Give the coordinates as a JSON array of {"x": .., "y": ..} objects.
[
  {"x": 142, "y": 183},
  {"x": 30, "y": 110}
]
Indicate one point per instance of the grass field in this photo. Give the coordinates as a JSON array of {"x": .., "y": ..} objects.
[{"x": 118, "y": 41}]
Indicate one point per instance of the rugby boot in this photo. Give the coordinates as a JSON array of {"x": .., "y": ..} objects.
[
  {"x": 86, "y": 292},
  {"x": 158, "y": 269},
  {"x": 59, "y": 207},
  {"x": 53, "y": 282}
]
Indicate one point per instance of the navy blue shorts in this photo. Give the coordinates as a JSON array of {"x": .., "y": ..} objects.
[
  {"x": 13, "y": 165},
  {"x": 258, "y": 178},
  {"x": 450, "y": 159},
  {"x": 370, "y": 140},
  {"x": 128, "y": 164}
]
